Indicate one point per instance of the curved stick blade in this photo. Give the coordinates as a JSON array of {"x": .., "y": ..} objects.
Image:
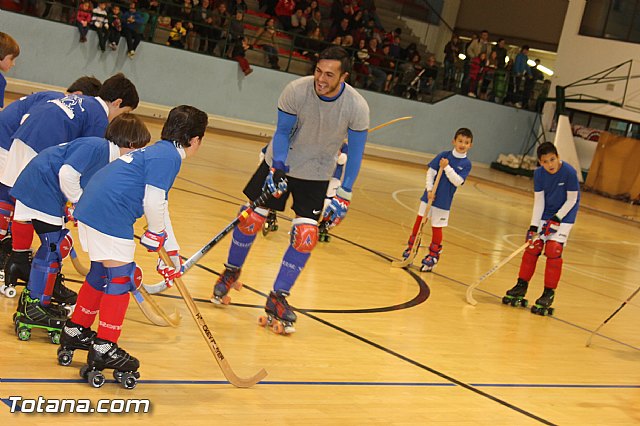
[{"x": 153, "y": 311}]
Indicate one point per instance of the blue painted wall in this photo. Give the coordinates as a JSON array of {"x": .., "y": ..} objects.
[{"x": 51, "y": 54}]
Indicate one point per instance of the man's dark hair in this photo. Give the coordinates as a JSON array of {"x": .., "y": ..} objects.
[
  {"x": 525, "y": 47},
  {"x": 184, "y": 122},
  {"x": 546, "y": 148},
  {"x": 128, "y": 131},
  {"x": 337, "y": 53},
  {"x": 463, "y": 131},
  {"x": 119, "y": 87},
  {"x": 88, "y": 85}
]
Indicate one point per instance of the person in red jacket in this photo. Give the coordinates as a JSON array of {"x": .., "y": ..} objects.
[
  {"x": 476, "y": 71},
  {"x": 284, "y": 10}
]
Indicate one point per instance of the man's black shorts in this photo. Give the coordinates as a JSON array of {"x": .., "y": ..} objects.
[{"x": 308, "y": 195}]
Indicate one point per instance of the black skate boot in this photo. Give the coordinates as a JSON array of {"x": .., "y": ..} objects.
[
  {"x": 227, "y": 280},
  {"x": 105, "y": 354},
  {"x": 74, "y": 336},
  {"x": 430, "y": 260},
  {"x": 271, "y": 224},
  {"x": 17, "y": 268},
  {"x": 5, "y": 251},
  {"x": 280, "y": 317},
  {"x": 63, "y": 296},
  {"x": 32, "y": 315},
  {"x": 543, "y": 304},
  {"x": 515, "y": 296}
]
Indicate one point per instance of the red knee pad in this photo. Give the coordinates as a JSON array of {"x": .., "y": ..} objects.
[
  {"x": 304, "y": 236},
  {"x": 553, "y": 269},
  {"x": 529, "y": 260},
  {"x": 252, "y": 224}
]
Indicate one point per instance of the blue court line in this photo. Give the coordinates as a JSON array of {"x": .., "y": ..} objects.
[{"x": 355, "y": 384}]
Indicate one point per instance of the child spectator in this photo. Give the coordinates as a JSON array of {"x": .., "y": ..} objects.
[
  {"x": 45, "y": 192},
  {"x": 115, "y": 27},
  {"x": 555, "y": 206},
  {"x": 83, "y": 19},
  {"x": 476, "y": 71},
  {"x": 9, "y": 51},
  {"x": 100, "y": 22},
  {"x": 266, "y": 39},
  {"x": 177, "y": 35},
  {"x": 238, "y": 54},
  {"x": 131, "y": 22},
  {"x": 456, "y": 167}
]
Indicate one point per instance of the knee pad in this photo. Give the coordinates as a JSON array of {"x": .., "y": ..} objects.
[
  {"x": 6, "y": 213},
  {"x": 252, "y": 224},
  {"x": 535, "y": 248},
  {"x": 58, "y": 242},
  {"x": 553, "y": 249},
  {"x": 304, "y": 234},
  {"x": 97, "y": 276},
  {"x": 123, "y": 279}
]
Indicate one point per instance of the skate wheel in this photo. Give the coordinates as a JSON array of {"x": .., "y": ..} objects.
[
  {"x": 129, "y": 381},
  {"x": 263, "y": 321},
  {"x": 525, "y": 303},
  {"x": 505, "y": 300},
  {"x": 95, "y": 379},
  {"x": 551, "y": 311},
  {"x": 83, "y": 371},
  {"x": 54, "y": 336},
  {"x": 65, "y": 357},
  {"x": 225, "y": 300},
  {"x": 277, "y": 327},
  {"x": 274, "y": 228},
  {"x": 10, "y": 292},
  {"x": 514, "y": 302},
  {"x": 237, "y": 285},
  {"x": 117, "y": 376},
  {"x": 24, "y": 333},
  {"x": 534, "y": 310},
  {"x": 265, "y": 229}
]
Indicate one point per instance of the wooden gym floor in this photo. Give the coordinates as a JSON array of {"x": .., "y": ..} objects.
[{"x": 375, "y": 345}]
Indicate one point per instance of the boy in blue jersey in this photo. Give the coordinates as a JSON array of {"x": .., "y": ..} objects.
[
  {"x": 315, "y": 115},
  {"x": 456, "y": 167},
  {"x": 45, "y": 192},
  {"x": 9, "y": 51},
  {"x": 555, "y": 206},
  {"x": 10, "y": 119},
  {"x": 134, "y": 185},
  {"x": 51, "y": 123}
]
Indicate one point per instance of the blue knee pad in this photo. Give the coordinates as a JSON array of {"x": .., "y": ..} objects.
[
  {"x": 47, "y": 263},
  {"x": 97, "y": 276},
  {"x": 123, "y": 279}
]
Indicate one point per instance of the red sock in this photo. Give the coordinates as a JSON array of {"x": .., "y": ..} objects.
[
  {"x": 22, "y": 234},
  {"x": 436, "y": 235},
  {"x": 416, "y": 226},
  {"x": 87, "y": 306},
  {"x": 113, "y": 307}
]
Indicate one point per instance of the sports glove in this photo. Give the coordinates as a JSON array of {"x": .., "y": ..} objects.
[
  {"x": 169, "y": 273},
  {"x": 551, "y": 226},
  {"x": 337, "y": 209},
  {"x": 531, "y": 233},
  {"x": 69, "y": 209},
  {"x": 152, "y": 241},
  {"x": 276, "y": 181}
]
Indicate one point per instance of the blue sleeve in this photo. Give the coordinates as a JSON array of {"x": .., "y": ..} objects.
[
  {"x": 572, "y": 181},
  {"x": 356, "y": 141},
  {"x": 537, "y": 180},
  {"x": 284, "y": 127},
  {"x": 3, "y": 85}
]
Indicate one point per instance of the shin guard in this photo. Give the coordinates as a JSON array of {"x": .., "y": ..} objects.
[
  {"x": 529, "y": 260},
  {"x": 553, "y": 268},
  {"x": 244, "y": 235},
  {"x": 47, "y": 262},
  {"x": 304, "y": 237}
]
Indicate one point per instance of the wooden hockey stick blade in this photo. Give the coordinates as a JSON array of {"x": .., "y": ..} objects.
[
  {"x": 260, "y": 201},
  {"x": 153, "y": 311},
  {"x": 228, "y": 372},
  {"x": 77, "y": 265},
  {"x": 469, "y": 295},
  {"x": 416, "y": 244},
  {"x": 612, "y": 315}
]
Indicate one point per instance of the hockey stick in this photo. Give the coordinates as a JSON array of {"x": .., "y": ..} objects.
[
  {"x": 395, "y": 120},
  {"x": 153, "y": 311},
  {"x": 77, "y": 265},
  {"x": 260, "y": 201},
  {"x": 416, "y": 244},
  {"x": 208, "y": 335},
  {"x": 490, "y": 272},
  {"x": 612, "y": 315}
]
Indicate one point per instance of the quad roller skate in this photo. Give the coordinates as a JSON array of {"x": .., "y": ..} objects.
[
  {"x": 543, "y": 304},
  {"x": 32, "y": 315},
  {"x": 280, "y": 317},
  {"x": 430, "y": 261},
  {"x": 407, "y": 252},
  {"x": 271, "y": 224},
  {"x": 74, "y": 336},
  {"x": 515, "y": 296},
  {"x": 16, "y": 271},
  {"x": 226, "y": 281},
  {"x": 5, "y": 251},
  {"x": 63, "y": 296},
  {"x": 104, "y": 354},
  {"x": 323, "y": 231}
]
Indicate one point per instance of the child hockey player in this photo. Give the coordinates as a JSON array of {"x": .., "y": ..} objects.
[
  {"x": 9, "y": 51},
  {"x": 555, "y": 206},
  {"x": 117, "y": 195},
  {"x": 456, "y": 167},
  {"x": 50, "y": 181}
]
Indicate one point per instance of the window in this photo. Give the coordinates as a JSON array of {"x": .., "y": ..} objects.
[{"x": 613, "y": 19}]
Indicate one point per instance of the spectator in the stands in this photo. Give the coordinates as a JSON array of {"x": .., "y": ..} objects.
[
  {"x": 177, "y": 35},
  {"x": 100, "y": 22},
  {"x": 530, "y": 82},
  {"x": 298, "y": 22},
  {"x": 132, "y": 22},
  {"x": 238, "y": 53},
  {"x": 361, "y": 70},
  {"x": 237, "y": 5},
  {"x": 341, "y": 30},
  {"x": 266, "y": 40},
  {"x": 476, "y": 70},
  {"x": 115, "y": 26},
  {"x": 451, "y": 51},
  {"x": 375, "y": 61},
  {"x": 357, "y": 21},
  {"x": 480, "y": 45},
  {"x": 315, "y": 21},
  {"x": 204, "y": 22},
  {"x": 407, "y": 71},
  {"x": 430, "y": 75},
  {"x": 269, "y": 6},
  {"x": 284, "y": 10},
  {"x": 83, "y": 19},
  {"x": 220, "y": 17},
  {"x": 501, "y": 53},
  {"x": 313, "y": 44},
  {"x": 491, "y": 64},
  {"x": 520, "y": 70},
  {"x": 388, "y": 65}
]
